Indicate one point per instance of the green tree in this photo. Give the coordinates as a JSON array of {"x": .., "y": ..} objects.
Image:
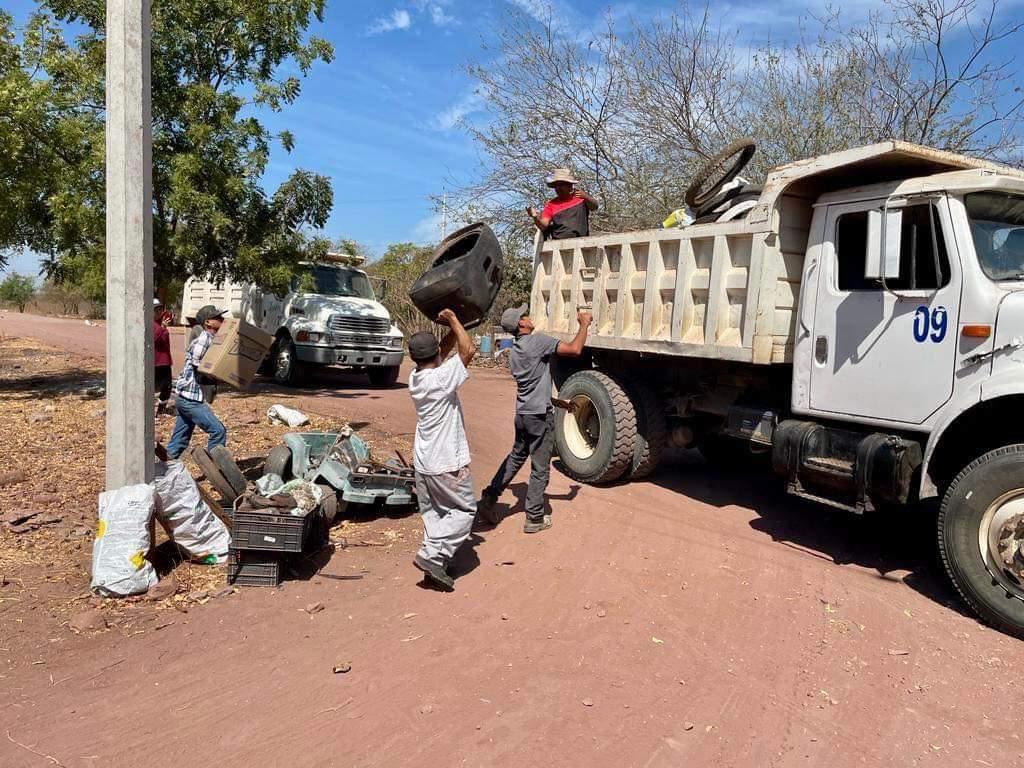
[
  {"x": 400, "y": 266},
  {"x": 18, "y": 290},
  {"x": 215, "y": 68}
]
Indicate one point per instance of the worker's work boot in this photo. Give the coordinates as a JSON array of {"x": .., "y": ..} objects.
[
  {"x": 536, "y": 526},
  {"x": 435, "y": 573},
  {"x": 486, "y": 508}
]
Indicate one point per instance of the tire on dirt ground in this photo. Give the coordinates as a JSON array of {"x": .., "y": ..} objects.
[
  {"x": 279, "y": 462},
  {"x": 718, "y": 171},
  {"x": 226, "y": 464},
  {"x": 213, "y": 475},
  {"x": 651, "y": 430},
  {"x": 384, "y": 377},
  {"x": 597, "y": 444},
  {"x": 979, "y": 509}
]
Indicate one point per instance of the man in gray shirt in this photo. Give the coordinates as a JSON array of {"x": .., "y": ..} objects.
[{"x": 530, "y": 363}]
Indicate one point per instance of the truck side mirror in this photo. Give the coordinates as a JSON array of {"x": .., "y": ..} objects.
[{"x": 891, "y": 252}]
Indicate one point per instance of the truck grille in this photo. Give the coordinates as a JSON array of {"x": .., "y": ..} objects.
[
  {"x": 358, "y": 325},
  {"x": 360, "y": 342}
]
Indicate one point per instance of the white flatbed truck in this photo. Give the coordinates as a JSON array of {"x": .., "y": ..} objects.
[{"x": 862, "y": 323}]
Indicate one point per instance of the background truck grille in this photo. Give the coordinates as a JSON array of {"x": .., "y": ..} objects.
[{"x": 358, "y": 325}]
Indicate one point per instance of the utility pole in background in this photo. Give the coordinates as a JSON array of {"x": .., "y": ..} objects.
[{"x": 129, "y": 171}]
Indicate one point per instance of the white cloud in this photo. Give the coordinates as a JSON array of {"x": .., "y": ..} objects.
[
  {"x": 440, "y": 17},
  {"x": 538, "y": 9},
  {"x": 399, "y": 19},
  {"x": 428, "y": 230},
  {"x": 467, "y": 105}
]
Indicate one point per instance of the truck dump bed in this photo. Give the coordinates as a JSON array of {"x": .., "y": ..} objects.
[{"x": 725, "y": 291}]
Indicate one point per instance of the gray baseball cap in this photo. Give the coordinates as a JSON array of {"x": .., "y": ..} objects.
[
  {"x": 423, "y": 346},
  {"x": 208, "y": 313},
  {"x": 510, "y": 318}
]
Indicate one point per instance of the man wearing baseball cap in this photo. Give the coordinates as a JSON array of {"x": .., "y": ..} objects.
[
  {"x": 444, "y": 486},
  {"x": 568, "y": 214},
  {"x": 530, "y": 363},
  {"x": 192, "y": 403}
]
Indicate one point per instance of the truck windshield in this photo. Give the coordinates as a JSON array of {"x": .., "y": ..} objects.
[
  {"x": 335, "y": 281},
  {"x": 997, "y": 227}
]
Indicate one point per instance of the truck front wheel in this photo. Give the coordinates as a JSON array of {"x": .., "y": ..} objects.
[
  {"x": 596, "y": 441},
  {"x": 287, "y": 368},
  {"x": 981, "y": 537},
  {"x": 384, "y": 377}
]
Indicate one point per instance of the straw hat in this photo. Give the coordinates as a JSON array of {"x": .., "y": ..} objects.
[{"x": 561, "y": 174}]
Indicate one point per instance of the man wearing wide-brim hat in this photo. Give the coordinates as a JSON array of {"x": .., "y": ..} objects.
[{"x": 568, "y": 214}]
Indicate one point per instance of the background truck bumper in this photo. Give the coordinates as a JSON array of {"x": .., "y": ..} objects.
[{"x": 370, "y": 358}]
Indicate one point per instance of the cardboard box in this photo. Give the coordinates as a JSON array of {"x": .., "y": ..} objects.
[{"x": 236, "y": 353}]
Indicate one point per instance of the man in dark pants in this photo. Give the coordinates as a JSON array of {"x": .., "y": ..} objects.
[
  {"x": 530, "y": 363},
  {"x": 162, "y": 362}
]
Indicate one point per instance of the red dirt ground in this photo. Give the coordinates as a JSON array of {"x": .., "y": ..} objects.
[{"x": 697, "y": 619}]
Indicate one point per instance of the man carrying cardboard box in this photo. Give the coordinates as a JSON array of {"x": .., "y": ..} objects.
[{"x": 192, "y": 405}]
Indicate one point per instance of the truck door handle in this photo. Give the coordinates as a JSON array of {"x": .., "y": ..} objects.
[{"x": 821, "y": 350}]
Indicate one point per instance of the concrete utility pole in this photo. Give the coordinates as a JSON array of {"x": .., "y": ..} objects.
[{"x": 130, "y": 439}]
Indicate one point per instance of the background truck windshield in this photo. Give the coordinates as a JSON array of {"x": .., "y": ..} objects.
[
  {"x": 335, "y": 281},
  {"x": 997, "y": 227}
]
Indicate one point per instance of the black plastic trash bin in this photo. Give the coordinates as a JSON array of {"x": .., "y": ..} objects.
[{"x": 465, "y": 276}]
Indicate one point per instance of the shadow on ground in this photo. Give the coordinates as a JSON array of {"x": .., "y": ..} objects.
[{"x": 887, "y": 541}]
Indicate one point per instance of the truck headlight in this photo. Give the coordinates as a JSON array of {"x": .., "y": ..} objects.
[
  {"x": 395, "y": 342},
  {"x": 312, "y": 337}
]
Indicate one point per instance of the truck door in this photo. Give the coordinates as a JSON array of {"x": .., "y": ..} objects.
[{"x": 885, "y": 348}]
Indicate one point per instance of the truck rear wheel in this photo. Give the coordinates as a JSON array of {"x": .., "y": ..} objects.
[
  {"x": 597, "y": 440},
  {"x": 384, "y": 377},
  {"x": 651, "y": 432},
  {"x": 981, "y": 537}
]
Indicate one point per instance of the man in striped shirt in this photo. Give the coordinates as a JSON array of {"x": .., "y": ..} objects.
[{"x": 193, "y": 409}]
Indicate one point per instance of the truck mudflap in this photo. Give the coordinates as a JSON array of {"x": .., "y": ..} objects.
[
  {"x": 369, "y": 358},
  {"x": 845, "y": 469}
]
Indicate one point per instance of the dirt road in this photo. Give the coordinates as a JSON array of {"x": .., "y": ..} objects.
[{"x": 698, "y": 619}]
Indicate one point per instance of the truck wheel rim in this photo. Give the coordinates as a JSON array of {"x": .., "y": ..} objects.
[
  {"x": 1001, "y": 540},
  {"x": 582, "y": 427},
  {"x": 284, "y": 363}
]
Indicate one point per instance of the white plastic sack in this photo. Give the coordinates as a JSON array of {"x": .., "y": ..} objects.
[
  {"x": 119, "y": 564},
  {"x": 282, "y": 414},
  {"x": 187, "y": 519},
  {"x": 268, "y": 484}
]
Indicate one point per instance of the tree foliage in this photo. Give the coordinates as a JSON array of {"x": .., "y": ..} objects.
[
  {"x": 17, "y": 290},
  {"x": 633, "y": 110},
  {"x": 215, "y": 68}
]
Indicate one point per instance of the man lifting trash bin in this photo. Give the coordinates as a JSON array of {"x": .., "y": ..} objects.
[
  {"x": 444, "y": 486},
  {"x": 530, "y": 364}
]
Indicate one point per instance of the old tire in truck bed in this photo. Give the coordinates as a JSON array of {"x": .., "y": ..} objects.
[
  {"x": 597, "y": 442},
  {"x": 718, "y": 171},
  {"x": 464, "y": 276},
  {"x": 981, "y": 535}
]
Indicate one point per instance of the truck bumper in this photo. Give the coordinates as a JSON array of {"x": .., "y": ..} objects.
[{"x": 368, "y": 358}]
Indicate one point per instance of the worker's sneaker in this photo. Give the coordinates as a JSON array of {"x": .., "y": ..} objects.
[
  {"x": 435, "y": 573},
  {"x": 485, "y": 508},
  {"x": 536, "y": 526}
]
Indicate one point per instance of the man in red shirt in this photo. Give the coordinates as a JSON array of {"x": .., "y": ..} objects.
[
  {"x": 161, "y": 355},
  {"x": 568, "y": 214}
]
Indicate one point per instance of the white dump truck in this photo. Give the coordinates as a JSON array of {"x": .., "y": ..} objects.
[
  {"x": 861, "y": 321},
  {"x": 331, "y": 316}
]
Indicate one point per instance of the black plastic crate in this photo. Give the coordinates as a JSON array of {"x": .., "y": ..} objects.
[
  {"x": 248, "y": 568},
  {"x": 268, "y": 532}
]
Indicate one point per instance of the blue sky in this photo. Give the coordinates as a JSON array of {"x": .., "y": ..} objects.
[{"x": 380, "y": 120}]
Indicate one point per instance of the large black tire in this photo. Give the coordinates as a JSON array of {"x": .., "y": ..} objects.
[
  {"x": 651, "y": 432},
  {"x": 214, "y": 476},
  {"x": 385, "y": 377},
  {"x": 288, "y": 371},
  {"x": 983, "y": 488},
  {"x": 718, "y": 171},
  {"x": 597, "y": 444},
  {"x": 279, "y": 462},
  {"x": 226, "y": 464}
]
